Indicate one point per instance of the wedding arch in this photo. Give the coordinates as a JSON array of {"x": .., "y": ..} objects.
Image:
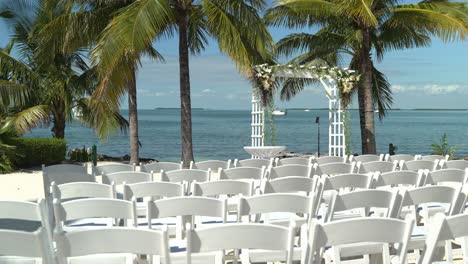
[{"x": 336, "y": 82}]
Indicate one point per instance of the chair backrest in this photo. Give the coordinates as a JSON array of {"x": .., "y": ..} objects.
[
  {"x": 329, "y": 159},
  {"x": 94, "y": 208},
  {"x": 293, "y": 161},
  {"x": 256, "y": 163},
  {"x": 334, "y": 168},
  {"x": 25, "y": 244},
  {"x": 64, "y": 173},
  {"x": 113, "y": 241},
  {"x": 289, "y": 170},
  {"x": 399, "y": 178},
  {"x": 223, "y": 187},
  {"x": 374, "y": 166},
  {"x": 157, "y": 167},
  {"x": 189, "y": 175},
  {"x": 128, "y": 177},
  {"x": 368, "y": 158},
  {"x": 242, "y": 236},
  {"x": 154, "y": 190},
  {"x": 187, "y": 206},
  {"x": 112, "y": 167},
  {"x": 399, "y": 157},
  {"x": 455, "y": 164},
  {"x": 348, "y": 180},
  {"x": 443, "y": 229},
  {"x": 290, "y": 184},
  {"x": 242, "y": 173},
  {"x": 213, "y": 165},
  {"x": 75, "y": 190},
  {"x": 447, "y": 175},
  {"x": 453, "y": 196},
  {"x": 416, "y": 165},
  {"x": 275, "y": 203},
  {"x": 434, "y": 157},
  {"x": 25, "y": 212},
  {"x": 358, "y": 230},
  {"x": 365, "y": 199}
]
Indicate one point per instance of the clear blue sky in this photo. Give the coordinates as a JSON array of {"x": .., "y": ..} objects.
[{"x": 434, "y": 77}]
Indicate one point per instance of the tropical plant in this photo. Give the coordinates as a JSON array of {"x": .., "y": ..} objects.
[
  {"x": 66, "y": 34},
  {"x": 234, "y": 24},
  {"x": 443, "y": 147},
  {"x": 54, "y": 87},
  {"x": 364, "y": 31}
]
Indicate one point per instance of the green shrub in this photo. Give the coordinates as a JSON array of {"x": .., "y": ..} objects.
[{"x": 38, "y": 151}]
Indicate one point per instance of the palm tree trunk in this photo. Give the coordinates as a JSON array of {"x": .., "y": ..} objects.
[
  {"x": 185, "y": 102},
  {"x": 366, "y": 102},
  {"x": 133, "y": 120},
  {"x": 59, "y": 122}
]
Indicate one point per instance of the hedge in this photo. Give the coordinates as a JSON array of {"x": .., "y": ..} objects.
[{"x": 38, "y": 151}]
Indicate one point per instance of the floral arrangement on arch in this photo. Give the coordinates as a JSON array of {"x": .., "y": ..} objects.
[{"x": 346, "y": 80}]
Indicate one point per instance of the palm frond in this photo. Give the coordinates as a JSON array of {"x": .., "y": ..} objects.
[{"x": 28, "y": 119}]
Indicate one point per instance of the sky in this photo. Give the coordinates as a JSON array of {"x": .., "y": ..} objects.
[{"x": 433, "y": 77}]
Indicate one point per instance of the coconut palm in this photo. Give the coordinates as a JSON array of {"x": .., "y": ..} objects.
[
  {"x": 365, "y": 31},
  {"x": 234, "y": 24},
  {"x": 55, "y": 87},
  {"x": 80, "y": 29}
]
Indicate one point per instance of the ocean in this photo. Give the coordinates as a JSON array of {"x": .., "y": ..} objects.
[{"x": 222, "y": 134}]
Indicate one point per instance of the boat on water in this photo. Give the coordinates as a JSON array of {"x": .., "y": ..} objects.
[
  {"x": 278, "y": 112},
  {"x": 307, "y": 110}
]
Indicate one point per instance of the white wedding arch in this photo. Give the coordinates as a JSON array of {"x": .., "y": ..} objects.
[{"x": 335, "y": 81}]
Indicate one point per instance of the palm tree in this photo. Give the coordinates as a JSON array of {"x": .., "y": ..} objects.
[
  {"x": 234, "y": 24},
  {"x": 66, "y": 34},
  {"x": 56, "y": 86},
  {"x": 364, "y": 30}
]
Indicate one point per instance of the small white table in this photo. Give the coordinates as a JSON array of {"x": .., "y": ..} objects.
[{"x": 265, "y": 152}]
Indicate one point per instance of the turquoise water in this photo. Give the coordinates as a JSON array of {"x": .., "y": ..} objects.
[{"x": 221, "y": 134}]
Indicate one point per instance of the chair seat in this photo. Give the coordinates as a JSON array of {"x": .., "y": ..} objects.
[
  {"x": 103, "y": 259},
  {"x": 359, "y": 249},
  {"x": 200, "y": 258}
]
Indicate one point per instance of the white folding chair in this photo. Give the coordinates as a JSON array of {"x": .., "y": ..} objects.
[
  {"x": 330, "y": 159},
  {"x": 408, "y": 179},
  {"x": 258, "y": 242},
  {"x": 143, "y": 191},
  {"x": 242, "y": 173},
  {"x": 434, "y": 157},
  {"x": 189, "y": 175},
  {"x": 430, "y": 200},
  {"x": 223, "y": 188},
  {"x": 24, "y": 216},
  {"x": 289, "y": 170},
  {"x": 194, "y": 210},
  {"x": 290, "y": 184},
  {"x": 64, "y": 173},
  {"x": 387, "y": 203},
  {"x": 256, "y": 163},
  {"x": 92, "y": 213},
  {"x": 76, "y": 190},
  {"x": 112, "y": 168},
  {"x": 445, "y": 229},
  {"x": 157, "y": 167},
  {"x": 383, "y": 231},
  {"x": 334, "y": 168},
  {"x": 367, "y": 158},
  {"x": 399, "y": 157},
  {"x": 417, "y": 165},
  {"x": 25, "y": 247},
  {"x": 119, "y": 178},
  {"x": 213, "y": 165},
  {"x": 454, "y": 164},
  {"x": 374, "y": 166},
  {"x": 293, "y": 161},
  {"x": 276, "y": 208},
  {"x": 447, "y": 176},
  {"x": 113, "y": 245}
]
